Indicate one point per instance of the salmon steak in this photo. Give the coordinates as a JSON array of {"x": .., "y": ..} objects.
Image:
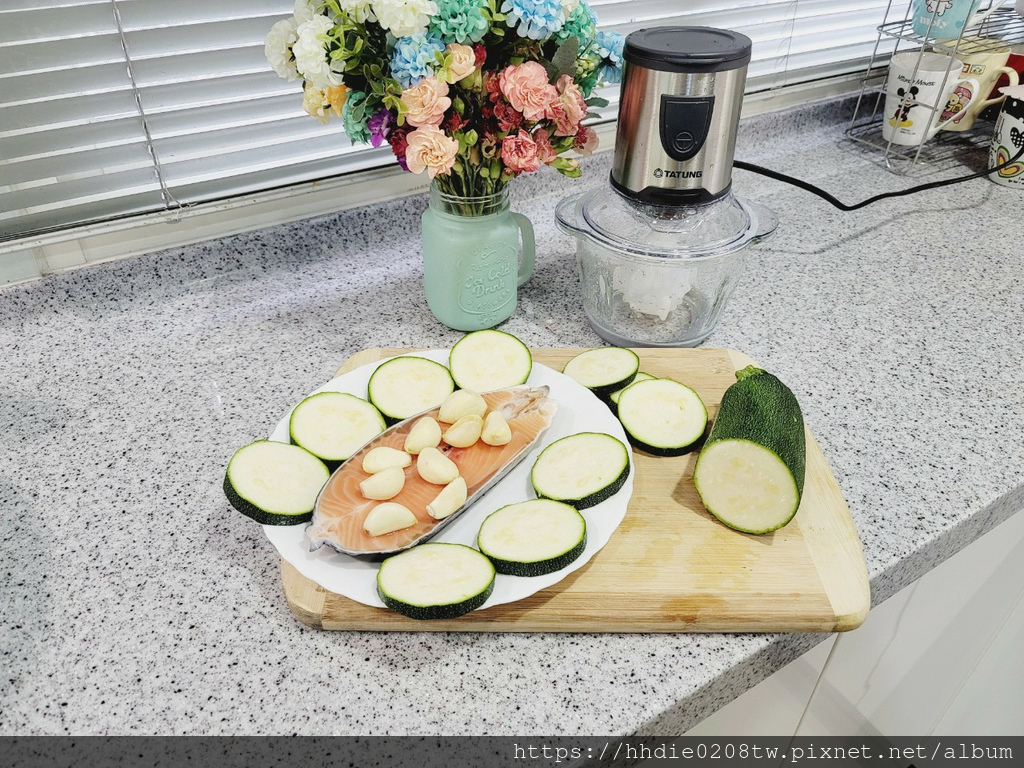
[{"x": 341, "y": 509}]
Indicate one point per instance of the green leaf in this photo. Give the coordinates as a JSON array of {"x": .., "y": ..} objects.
[
  {"x": 564, "y": 59},
  {"x": 596, "y": 101}
]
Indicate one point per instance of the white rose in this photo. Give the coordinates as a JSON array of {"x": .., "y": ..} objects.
[
  {"x": 404, "y": 18},
  {"x": 311, "y": 54},
  {"x": 358, "y": 10},
  {"x": 278, "y": 49},
  {"x": 304, "y": 10}
]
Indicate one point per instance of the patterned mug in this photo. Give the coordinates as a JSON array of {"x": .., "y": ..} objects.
[{"x": 1008, "y": 140}]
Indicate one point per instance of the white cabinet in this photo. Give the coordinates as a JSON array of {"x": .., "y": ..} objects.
[{"x": 941, "y": 657}]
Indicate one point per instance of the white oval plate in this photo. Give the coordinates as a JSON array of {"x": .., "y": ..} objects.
[{"x": 578, "y": 411}]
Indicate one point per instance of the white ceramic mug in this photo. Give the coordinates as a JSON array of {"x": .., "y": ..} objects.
[
  {"x": 948, "y": 18},
  {"x": 985, "y": 60},
  {"x": 913, "y": 99},
  {"x": 1008, "y": 140}
]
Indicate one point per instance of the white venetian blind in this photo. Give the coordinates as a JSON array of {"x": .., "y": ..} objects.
[{"x": 115, "y": 108}]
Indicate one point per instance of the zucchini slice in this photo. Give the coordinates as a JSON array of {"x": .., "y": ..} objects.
[
  {"x": 333, "y": 425},
  {"x": 274, "y": 483},
  {"x": 750, "y": 472},
  {"x": 483, "y": 361},
  {"x": 582, "y": 469},
  {"x": 435, "y": 581},
  {"x": 405, "y": 386},
  {"x": 613, "y": 398},
  {"x": 662, "y": 416},
  {"x": 603, "y": 370},
  {"x": 533, "y": 537}
]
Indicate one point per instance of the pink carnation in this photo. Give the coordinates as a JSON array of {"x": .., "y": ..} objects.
[
  {"x": 519, "y": 153},
  {"x": 526, "y": 88},
  {"x": 427, "y": 102},
  {"x": 545, "y": 152},
  {"x": 431, "y": 150},
  {"x": 586, "y": 141},
  {"x": 567, "y": 109}
]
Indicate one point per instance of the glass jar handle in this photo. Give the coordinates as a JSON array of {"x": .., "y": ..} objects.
[{"x": 529, "y": 244}]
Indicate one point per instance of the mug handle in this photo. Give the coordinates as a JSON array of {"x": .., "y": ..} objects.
[
  {"x": 529, "y": 245},
  {"x": 979, "y": 16},
  {"x": 1014, "y": 77},
  {"x": 974, "y": 94}
]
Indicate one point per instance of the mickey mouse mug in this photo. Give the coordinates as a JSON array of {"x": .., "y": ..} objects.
[
  {"x": 914, "y": 100},
  {"x": 1008, "y": 139}
]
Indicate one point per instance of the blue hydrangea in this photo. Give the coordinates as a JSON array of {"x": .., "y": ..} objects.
[
  {"x": 609, "y": 47},
  {"x": 535, "y": 19},
  {"x": 414, "y": 58},
  {"x": 581, "y": 24},
  {"x": 354, "y": 117}
]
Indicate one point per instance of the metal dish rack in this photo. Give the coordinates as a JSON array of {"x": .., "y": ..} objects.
[{"x": 1002, "y": 28}]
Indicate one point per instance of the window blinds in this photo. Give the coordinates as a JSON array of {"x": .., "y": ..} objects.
[{"x": 113, "y": 108}]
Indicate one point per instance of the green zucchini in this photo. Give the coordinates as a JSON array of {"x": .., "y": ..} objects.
[
  {"x": 603, "y": 370},
  {"x": 613, "y": 398},
  {"x": 483, "y": 361},
  {"x": 750, "y": 472},
  {"x": 582, "y": 469},
  {"x": 662, "y": 416},
  {"x": 533, "y": 537},
  {"x": 435, "y": 581},
  {"x": 274, "y": 483},
  {"x": 405, "y": 386},
  {"x": 333, "y": 425}
]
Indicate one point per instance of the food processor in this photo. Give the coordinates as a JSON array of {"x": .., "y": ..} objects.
[{"x": 661, "y": 247}]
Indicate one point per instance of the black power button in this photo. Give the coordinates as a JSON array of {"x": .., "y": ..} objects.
[{"x": 685, "y": 121}]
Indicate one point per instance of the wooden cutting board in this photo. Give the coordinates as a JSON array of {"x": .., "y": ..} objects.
[{"x": 670, "y": 566}]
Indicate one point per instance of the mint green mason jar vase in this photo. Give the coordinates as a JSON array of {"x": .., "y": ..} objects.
[{"x": 471, "y": 264}]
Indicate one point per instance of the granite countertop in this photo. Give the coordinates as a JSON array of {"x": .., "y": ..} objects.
[{"x": 137, "y": 602}]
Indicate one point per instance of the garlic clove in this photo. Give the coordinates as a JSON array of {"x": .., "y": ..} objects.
[
  {"x": 461, "y": 402},
  {"x": 387, "y": 518},
  {"x": 449, "y": 500},
  {"x": 496, "y": 430},
  {"x": 464, "y": 432},
  {"x": 382, "y": 457},
  {"x": 434, "y": 467},
  {"x": 383, "y": 485},
  {"x": 425, "y": 433}
]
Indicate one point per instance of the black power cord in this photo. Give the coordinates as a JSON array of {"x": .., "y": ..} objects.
[{"x": 1018, "y": 141}]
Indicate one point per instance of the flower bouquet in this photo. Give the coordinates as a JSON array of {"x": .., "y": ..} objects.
[{"x": 474, "y": 92}]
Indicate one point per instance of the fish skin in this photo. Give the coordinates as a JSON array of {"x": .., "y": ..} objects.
[{"x": 340, "y": 508}]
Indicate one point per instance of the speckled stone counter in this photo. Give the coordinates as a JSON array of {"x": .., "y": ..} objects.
[{"x": 135, "y": 601}]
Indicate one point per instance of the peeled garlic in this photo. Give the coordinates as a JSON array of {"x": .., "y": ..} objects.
[
  {"x": 388, "y": 517},
  {"x": 383, "y": 485},
  {"x": 461, "y": 402},
  {"x": 382, "y": 457},
  {"x": 435, "y": 467},
  {"x": 464, "y": 432},
  {"x": 496, "y": 430},
  {"x": 425, "y": 433},
  {"x": 451, "y": 497}
]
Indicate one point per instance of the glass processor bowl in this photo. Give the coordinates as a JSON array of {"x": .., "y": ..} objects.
[{"x": 654, "y": 275}]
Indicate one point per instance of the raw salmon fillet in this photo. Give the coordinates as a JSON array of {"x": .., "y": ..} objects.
[{"x": 341, "y": 508}]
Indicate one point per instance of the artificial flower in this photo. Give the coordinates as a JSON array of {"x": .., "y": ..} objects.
[
  {"x": 460, "y": 20},
  {"x": 586, "y": 141},
  {"x": 403, "y": 18},
  {"x": 310, "y": 51},
  {"x": 314, "y": 102},
  {"x": 519, "y": 152},
  {"x": 359, "y": 11},
  {"x": 527, "y": 88},
  {"x": 581, "y": 24},
  {"x": 545, "y": 152},
  {"x": 568, "y": 6},
  {"x": 429, "y": 149},
  {"x": 463, "y": 62},
  {"x": 509, "y": 118},
  {"x": 379, "y": 126},
  {"x": 414, "y": 58},
  {"x": 398, "y": 139},
  {"x": 353, "y": 117},
  {"x": 278, "y": 48},
  {"x": 609, "y": 48},
  {"x": 568, "y": 109},
  {"x": 304, "y": 10},
  {"x": 426, "y": 102},
  {"x": 535, "y": 19}
]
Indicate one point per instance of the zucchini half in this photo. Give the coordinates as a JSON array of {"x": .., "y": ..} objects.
[
  {"x": 662, "y": 416},
  {"x": 435, "y": 581},
  {"x": 274, "y": 483},
  {"x": 483, "y": 361},
  {"x": 582, "y": 469},
  {"x": 750, "y": 472},
  {"x": 603, "y": 370},
  {"x": 405, "y": 386},
  {"x": 533, "y": 537}
]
